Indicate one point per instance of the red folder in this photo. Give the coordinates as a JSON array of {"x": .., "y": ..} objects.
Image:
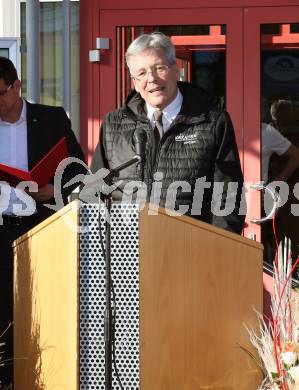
[{"x": 42, "y": 173}]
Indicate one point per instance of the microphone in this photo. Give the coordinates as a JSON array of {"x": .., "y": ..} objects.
[{"x": 139, "y": 141}]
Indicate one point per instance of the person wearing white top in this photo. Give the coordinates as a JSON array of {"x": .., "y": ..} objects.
[{"x": 273, "y": 142}]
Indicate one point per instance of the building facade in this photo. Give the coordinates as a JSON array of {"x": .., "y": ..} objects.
[{"x": 246, "y": 53}]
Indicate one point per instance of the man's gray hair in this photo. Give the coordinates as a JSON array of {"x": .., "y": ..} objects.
[{"x": 155, "y": 40}]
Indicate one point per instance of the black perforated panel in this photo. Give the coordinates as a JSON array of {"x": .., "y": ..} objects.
[{"x": 125, "y": 275}]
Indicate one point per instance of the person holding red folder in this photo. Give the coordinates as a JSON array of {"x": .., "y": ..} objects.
[{"x": 28, "y": 133}]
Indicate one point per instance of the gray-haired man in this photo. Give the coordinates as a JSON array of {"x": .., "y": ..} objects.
[{"x": 196, "y": 144}]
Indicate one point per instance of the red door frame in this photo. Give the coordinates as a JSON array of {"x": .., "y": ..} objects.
[
  {"x": 89, "y": 77},
  {"x": 253, "y": 19}
]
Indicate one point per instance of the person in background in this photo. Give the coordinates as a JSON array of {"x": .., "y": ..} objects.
[
  {"x": 27, "y": 133},
  {"x": 274, "y": 143},
  {"x": 187, "y": 139}
]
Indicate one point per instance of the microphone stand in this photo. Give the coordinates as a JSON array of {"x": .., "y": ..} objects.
[{"x": 109, "y": 320}]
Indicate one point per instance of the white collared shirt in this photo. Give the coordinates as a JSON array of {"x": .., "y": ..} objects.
[
  {"x": 14, "y": 152},
  {"x": 169, "y": 112},
  {"x": 272, "y": 142}
]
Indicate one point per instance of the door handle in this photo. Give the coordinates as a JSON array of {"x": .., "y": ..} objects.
[{"x": 276, "y": 201}]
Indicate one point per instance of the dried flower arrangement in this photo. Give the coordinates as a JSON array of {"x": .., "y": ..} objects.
[{"x": 278, "y": 340}]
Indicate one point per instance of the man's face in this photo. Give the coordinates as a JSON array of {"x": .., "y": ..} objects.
[
  {"x": 159, "y": 85},
  {"x": 9, "y": 98}
]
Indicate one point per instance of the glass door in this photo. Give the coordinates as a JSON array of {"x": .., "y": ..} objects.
[{"x": 271, "y": 106}]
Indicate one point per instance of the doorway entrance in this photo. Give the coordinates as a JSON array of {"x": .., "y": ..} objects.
[{"x": 271, "y": 98}]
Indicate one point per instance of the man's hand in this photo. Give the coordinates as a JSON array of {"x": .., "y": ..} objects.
[{"x": 44, "y": 193}]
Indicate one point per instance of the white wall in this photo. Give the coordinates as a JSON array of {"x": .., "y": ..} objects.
[{"x": 9, "y": 18}]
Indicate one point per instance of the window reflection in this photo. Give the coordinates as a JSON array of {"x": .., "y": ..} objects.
[
  {"x": 280, "y": 113},
  {"x": 208, "y": 72},
  {"x": 51, "y": 55}
]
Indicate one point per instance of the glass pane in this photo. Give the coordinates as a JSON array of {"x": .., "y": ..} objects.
[
  {"x": 295, "y": 28},
  {"x": 270, "y": 29},
  {"x": 23, "y": 50},
  {"x": 51, "y": 53},
  {"x": 51, "y": 56},
  {"x": 184, "y": 30},
  {"x": 208, "y": 72},
  {"x": 201, "y": 57},
  {"x": 279, "y": 125},
  {"x": 75, "y": 66},
  {"x": 4, "y": 52}
]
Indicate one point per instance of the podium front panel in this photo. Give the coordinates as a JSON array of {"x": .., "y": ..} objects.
[
  {"x": 125, "y": 278},
  {"x": 167, "y": 295}
]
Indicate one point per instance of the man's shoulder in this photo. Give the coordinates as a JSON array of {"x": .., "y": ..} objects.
[
  {"x": 43, "y": 108},
  {"x": 215, "y": 112},
  {"x": 115, "y": 113},
  {"x": 119, "y": 116},
  {"x": 274, "y": 140},
  {"x": 197, "y": 102},
  {"x": 218, "y": 116},
  {"x": 270, "y": 132}
]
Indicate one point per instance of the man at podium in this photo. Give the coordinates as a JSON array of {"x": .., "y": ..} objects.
[
  {"x": 28, "y": 132},
  {"x": 188, "y": 147}
]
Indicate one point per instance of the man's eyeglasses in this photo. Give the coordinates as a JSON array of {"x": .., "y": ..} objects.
[
  {"x": 2, "y": 93},
  {"x": 159, "y": 70}
]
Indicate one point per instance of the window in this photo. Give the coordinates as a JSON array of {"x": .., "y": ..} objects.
[
  {"x": 4, "y": 52},
  {"x": 10, "y": 48},
  {"x": 51, "y": 56}
]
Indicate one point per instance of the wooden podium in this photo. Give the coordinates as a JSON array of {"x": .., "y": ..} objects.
[{"x": 197, "y": 286}]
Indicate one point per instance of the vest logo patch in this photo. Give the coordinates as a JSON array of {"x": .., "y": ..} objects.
[{"x": 187, "y": 139}]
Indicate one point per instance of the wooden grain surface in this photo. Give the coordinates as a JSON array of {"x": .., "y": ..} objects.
[
  {"x": 46, "y": 310},
  {"x": 198, "y": 287}
]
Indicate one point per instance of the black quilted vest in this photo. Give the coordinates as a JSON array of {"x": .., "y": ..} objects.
[{"x": 187, "y": 151}]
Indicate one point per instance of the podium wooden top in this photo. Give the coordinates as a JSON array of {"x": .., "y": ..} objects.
[
  {"x": 149, "y": 210},
  {"x": 202, "y": 225},
  {"x": 71, "y": 208}
]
